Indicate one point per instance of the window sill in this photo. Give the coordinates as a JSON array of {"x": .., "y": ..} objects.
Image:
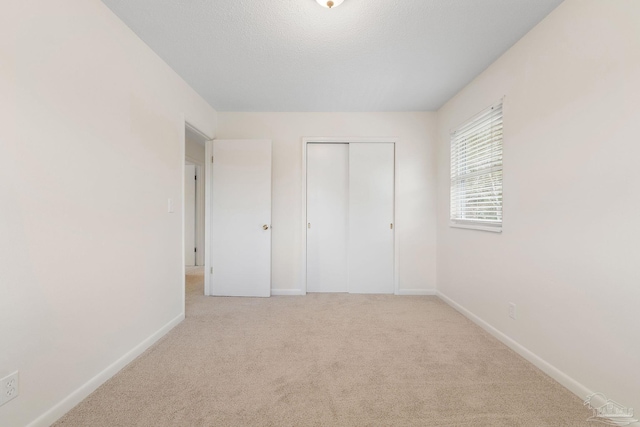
[{"x": 476, "y": 227}]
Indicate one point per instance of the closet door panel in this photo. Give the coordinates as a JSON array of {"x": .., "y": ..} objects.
[
  {"x": 371, "y": 211},
  {"x": 327, "y": 217}
]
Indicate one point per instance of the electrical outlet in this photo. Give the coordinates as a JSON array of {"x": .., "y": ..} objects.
[
  {"x": 9, "y": 387},
  {"x": 512, "y": 311}
]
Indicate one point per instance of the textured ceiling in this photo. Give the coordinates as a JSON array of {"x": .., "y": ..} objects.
[{"x": 294, "y": 55}]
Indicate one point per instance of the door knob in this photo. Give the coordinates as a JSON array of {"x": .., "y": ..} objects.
[{"x": 265, "y": 227}]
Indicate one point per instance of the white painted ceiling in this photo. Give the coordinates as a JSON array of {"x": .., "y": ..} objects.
[{"x": 294, "y": 55}]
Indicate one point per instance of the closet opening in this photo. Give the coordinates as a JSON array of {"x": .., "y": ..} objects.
[{"x": 349, "y": 238}]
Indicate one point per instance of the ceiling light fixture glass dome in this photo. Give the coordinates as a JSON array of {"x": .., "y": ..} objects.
[{"x": 330, "y": 4}]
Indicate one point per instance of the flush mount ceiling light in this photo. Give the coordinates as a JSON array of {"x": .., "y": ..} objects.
[{"x": 330, "y": 4}]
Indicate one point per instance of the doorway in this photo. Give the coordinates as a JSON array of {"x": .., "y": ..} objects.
[
  {"x": 194, "y": 194},
  {"x": 193, "y": 209}
]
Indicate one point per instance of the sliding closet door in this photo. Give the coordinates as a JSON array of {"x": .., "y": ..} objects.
[
  {"x": 371, "y": 199},
  {"x": 327, "y": 217}
]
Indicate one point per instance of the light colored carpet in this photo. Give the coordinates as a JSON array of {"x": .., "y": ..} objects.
[
  {"x": 327, "y": 360},
  {"x": 194, "y": 272}
]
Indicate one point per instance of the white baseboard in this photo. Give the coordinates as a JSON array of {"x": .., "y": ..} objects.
[
  {"x": 289, "y": 292},
  {"x": 569, "y": 383},
  {"x": 69, "y": 402},
  {"x": 286, "y": 292},
  {"x": 416, "y": 292}
]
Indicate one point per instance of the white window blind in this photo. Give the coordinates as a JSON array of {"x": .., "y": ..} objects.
[{"x": 476, "y": 171}]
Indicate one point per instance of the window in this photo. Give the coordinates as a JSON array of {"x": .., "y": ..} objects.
[{"x": 476, "y": 172}]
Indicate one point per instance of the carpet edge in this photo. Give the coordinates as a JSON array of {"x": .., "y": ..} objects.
[
  {"x": 65, "y": 405},
  {"x": 562, "y": 378},
  {"x": 416, "y": 292}
]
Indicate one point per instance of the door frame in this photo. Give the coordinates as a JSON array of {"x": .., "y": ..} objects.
[
  {"x": 347, "y": 140},
  {"x": 208, "y": 208}
]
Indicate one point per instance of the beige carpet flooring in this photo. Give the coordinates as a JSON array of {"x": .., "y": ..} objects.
[{"x": 327, "y": 360}]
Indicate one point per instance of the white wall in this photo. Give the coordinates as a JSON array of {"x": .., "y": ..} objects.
[
  {"x": 568, "y": 255},
  {"x": 415, "y": 219},
  {"x": 91, "y": 148}
]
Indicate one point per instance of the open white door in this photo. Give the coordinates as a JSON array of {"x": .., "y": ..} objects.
[
  {"x": 241, "y": 218},
  {"x": 189, "y": 215}
]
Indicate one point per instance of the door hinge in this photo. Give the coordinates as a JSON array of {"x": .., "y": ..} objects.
[
  {"x": 195, "y": 177},
  {"x": 391, "y": 226},
  {"x": 211, "y": 159},
  {"x": 211, "y": 270},
  {"x": 195, "y": 249}
]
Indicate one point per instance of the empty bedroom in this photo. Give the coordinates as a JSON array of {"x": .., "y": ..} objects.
[{"x": 319, "y": 213}]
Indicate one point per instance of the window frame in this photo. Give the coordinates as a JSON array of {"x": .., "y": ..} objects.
[{"x": 477, "y": 224}]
